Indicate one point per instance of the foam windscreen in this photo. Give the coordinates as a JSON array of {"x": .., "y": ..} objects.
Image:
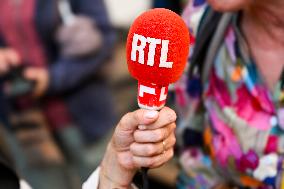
[{"x": 158, "y": 47}]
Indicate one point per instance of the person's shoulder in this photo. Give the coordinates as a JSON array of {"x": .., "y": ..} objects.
[{"x": 192, "y": 14}]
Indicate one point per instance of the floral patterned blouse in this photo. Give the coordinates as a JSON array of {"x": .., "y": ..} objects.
[{"x": 241, "y": 121}]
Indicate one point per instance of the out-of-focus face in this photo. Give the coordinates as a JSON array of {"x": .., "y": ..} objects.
[{"x": 229, "y": 5}]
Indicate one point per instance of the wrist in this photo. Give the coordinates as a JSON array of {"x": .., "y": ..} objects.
[
  {"x": 106, "y": 182},
  {"x": 113, "y": 174}
]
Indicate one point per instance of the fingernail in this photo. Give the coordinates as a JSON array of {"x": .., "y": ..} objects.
[
  {"x": 151, "y": 114},
  {"x": 142, "y": 127}
]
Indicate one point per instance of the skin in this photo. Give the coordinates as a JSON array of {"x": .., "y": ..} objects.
[
  {"x": 41, "y": 78},
  {"x": 229, "y": 5},
  {"x": 9, "y": 58},
  {"x": 263, "y": 27},
  {"x": 132, "y": 148},
  {"x": 262, "y": 24}
]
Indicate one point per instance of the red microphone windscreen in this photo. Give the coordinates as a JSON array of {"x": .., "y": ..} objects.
[{"x": 157, "y": 47}]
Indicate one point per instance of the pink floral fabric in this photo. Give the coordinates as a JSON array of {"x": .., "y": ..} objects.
[{"x": 241, "y": 119}]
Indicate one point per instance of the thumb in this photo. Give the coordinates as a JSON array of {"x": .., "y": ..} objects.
[{"x": 130, "y": 121}]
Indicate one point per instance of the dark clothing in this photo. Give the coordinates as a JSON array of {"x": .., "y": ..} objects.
[
  {"x": 8, "y": 178},
  {"x": 86, "y": 97},
  {"x": 169, "y": 4}
]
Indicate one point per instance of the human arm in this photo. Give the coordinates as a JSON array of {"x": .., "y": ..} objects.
[
  {"x": 67, "y": 73},
  {"x": 137, "y": 142}
]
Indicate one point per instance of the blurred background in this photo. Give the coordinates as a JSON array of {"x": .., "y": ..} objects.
[{"x": 64, "y": 84}]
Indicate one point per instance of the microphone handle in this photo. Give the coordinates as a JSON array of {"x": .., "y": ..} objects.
[
  {"x": 144, "y": 170},
  {"x": 145, "y": 178}
]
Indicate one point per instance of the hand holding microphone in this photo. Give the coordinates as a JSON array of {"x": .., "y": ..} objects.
[
  {"x": 131, "y": 148},
  {"x": 157, "y": 50}
]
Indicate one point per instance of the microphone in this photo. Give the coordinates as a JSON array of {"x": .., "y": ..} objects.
[{"x": 157, "y": 50}]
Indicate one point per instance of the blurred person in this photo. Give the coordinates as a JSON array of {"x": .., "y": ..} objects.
[
  {"x": 231, "y": 99},
  {"x": 130, "y": 148},
  {"x": 51, "y": 79},
  {"x": 58, "y": 73}
]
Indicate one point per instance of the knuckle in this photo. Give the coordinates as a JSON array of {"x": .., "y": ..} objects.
[
  {"x": 171, "y": 130},
  {"x": 174, "y": 140},
  {"x": 171, "y": 154},
  {"x": 174, "y": 125},
  {"x": 172, "y": 116}
]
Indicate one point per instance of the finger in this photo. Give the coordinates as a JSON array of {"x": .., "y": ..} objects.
[
  {"x": 152, "y": 149},
  {"x": 166, "y": 116},
  {"x": 12, "y": 57},
  {"x": 158, "y": 135},
  {"x": 139, "y": 117},
  {"x": 153, "y": 162},
  {"x": 31, "y": 74}
]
